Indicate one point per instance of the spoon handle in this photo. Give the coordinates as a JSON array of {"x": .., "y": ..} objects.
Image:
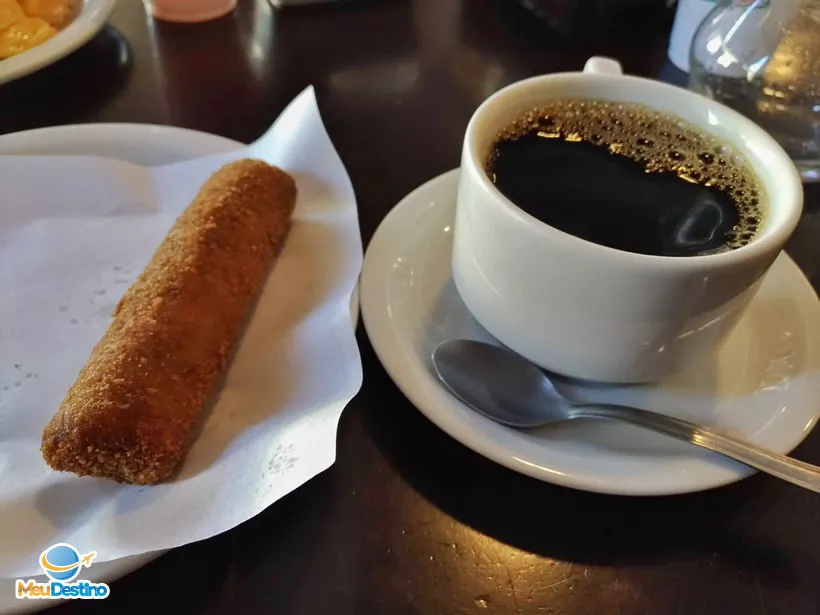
[{"x": 781, "y": 466}]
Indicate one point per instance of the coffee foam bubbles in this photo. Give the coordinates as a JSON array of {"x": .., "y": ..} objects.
[{"x": 660, "y": 143}]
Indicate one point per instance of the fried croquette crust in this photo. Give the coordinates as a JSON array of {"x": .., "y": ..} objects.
[{"x": 130, "y": 414}]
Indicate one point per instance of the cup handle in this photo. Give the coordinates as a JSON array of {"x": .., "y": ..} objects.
[{"x": 600, "y": 65}]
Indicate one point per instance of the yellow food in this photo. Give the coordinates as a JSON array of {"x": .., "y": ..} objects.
[
  {"x": 23, "y": 35},
  {"x": 10, "y": 13},
  {"x": 55, "y": 12},
  {"x": 27, "y": 23}
]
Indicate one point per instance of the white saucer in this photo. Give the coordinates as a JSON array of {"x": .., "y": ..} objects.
[
  {"x": 140, "y": 144},
  {"x": 763, "y": 384}
]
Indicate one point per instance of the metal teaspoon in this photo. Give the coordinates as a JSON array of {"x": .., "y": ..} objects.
[{"x": 505, "y": 387}]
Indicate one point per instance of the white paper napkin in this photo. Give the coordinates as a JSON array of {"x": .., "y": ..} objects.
[{"x": 74, "y": 234}]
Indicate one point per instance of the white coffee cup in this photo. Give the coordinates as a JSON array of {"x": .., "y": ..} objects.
[{"x": 593, "y": 312}]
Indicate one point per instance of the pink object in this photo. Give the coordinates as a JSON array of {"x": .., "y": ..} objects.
[{"x": 190, "y": 11}]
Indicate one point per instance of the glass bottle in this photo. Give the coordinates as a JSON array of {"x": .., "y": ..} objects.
[{"x": 762, "y": 58}]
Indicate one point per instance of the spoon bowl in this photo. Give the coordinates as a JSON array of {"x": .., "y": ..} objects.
[{"x": 498, "y": 384}]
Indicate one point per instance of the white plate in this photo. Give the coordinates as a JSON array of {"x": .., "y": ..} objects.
[
  {"x": 90, "y": 20},
  {"x": 763, "y": 384},
  {"x": 140, "y": 144}
]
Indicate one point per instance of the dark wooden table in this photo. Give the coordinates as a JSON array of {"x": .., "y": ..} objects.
[{"x": 408, "y": 520}]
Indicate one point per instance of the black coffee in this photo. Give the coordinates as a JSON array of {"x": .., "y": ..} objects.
[{"x": 627, "y": 177}]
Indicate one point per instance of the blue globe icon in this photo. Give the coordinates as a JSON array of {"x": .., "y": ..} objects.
[{"x": 61, "y": 562}]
